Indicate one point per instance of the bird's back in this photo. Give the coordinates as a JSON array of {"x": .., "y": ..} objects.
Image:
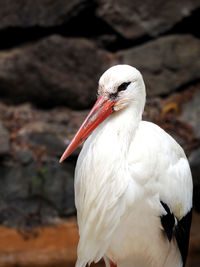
[{"x": 156, "y": 159}]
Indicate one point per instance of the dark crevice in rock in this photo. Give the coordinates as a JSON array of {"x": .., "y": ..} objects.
[
  {"x": 85, "y": 25},
  {"x": 187, "y": 25},
  {"x": 182, "y": 88},
  {"x": 122, "y": 43},
  {"x": 108, "y": 39},
  {"x": 187, "y": 85},
  {"x": 16, "y": 36}
]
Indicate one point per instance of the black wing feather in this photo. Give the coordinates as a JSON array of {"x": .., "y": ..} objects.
[
  {"x": 182, "y": 235},
  {"x": 168, "y": 221},
  {"x": 181, "y": 231}
]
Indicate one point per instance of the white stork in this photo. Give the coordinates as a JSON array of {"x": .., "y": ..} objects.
[{"x": 133, "y": 185}]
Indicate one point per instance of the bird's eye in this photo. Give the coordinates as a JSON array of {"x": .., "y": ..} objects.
[{"x": 123, "y": 86}]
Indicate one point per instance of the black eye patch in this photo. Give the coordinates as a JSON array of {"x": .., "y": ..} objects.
[{"x": 123, "y": 86}]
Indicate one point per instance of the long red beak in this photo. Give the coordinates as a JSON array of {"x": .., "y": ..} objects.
[{"x": 100, "y": 111}]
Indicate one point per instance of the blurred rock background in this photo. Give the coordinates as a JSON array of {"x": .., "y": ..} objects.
[{"x": 52, "y": 54}]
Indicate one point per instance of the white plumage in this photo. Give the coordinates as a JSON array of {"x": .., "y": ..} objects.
[{"x": 133, "y": 185}]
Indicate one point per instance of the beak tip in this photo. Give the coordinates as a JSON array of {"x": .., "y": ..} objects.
[
  {"x": 64, "y": 155},
  {"x": 62, "y": 159}
]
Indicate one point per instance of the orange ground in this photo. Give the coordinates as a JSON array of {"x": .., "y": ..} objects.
[{"x": 55, "y": 246}]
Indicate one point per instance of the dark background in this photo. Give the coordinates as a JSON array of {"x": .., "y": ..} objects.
[{"x": 52, "y": 53}]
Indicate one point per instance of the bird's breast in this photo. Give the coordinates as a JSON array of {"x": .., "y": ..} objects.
[{"x": 102, "y": 181}]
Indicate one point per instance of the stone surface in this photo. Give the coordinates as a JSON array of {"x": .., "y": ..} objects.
[
  {"x": 167, "y": 63},
  {"x": 32, "y": 195},
  {"x": 53, "y": 71},
  {"x": 194, "y": 160},
  {"x": 44, "y": 13},
  {"x": 167, "y": 112},
  {"x": 4, "y": 140},
  {"x": 35, "y": 188},
  {"x": 191, "y": 113},
  {"x": 135, "y": 19}
]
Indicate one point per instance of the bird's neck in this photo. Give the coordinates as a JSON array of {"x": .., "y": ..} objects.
[
  {"x": 125, "y": 123},
  {"x": 117, "y": 132}
]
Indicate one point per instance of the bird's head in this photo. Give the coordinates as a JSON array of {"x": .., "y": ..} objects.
[{"x": 119, "y": 87}]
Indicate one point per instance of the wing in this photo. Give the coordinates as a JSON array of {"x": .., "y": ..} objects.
[
  {"x": 160, "y": 164},
  {"x": 180, "y": 229}
]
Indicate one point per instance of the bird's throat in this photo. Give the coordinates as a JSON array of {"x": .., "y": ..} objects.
[{"x": 121, "y": 128}]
